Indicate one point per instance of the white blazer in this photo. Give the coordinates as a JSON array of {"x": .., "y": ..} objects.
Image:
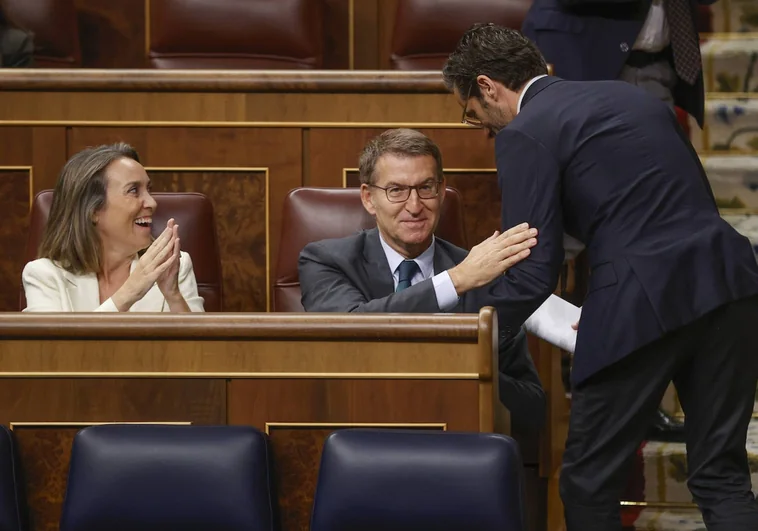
[{"x": 50, "y": 288}]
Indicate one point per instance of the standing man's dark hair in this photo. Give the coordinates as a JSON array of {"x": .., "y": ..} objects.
[{"x": 503, "y": 54}]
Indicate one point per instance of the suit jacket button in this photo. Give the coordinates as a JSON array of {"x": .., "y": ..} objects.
[{"x": 624, "y": 47}]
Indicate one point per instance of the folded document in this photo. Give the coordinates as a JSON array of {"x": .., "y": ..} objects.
[{"x": 552, "y": 322}]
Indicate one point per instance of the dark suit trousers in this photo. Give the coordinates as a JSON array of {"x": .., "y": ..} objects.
[{"x": 713, "y": 363}]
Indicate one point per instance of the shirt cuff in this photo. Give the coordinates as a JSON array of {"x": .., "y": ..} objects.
[{"x": 444, "y": 289}]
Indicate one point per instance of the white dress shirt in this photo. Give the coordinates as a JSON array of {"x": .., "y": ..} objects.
[
  {"x": 444, "y": 289},
  {"x": 654, "y": 35},
  {"x": 526, "y": 87}
]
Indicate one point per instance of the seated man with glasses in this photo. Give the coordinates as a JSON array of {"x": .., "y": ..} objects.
[{"x": 401, "y": 267}]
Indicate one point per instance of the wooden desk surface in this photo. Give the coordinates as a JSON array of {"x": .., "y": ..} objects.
[
  {"x": 228, "y": 81},
  {"x": 296, "y": 377}
]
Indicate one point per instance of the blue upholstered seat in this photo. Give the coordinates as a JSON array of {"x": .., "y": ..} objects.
[
  {"x": 398, "y": 480},
  {"x": 161, "y": 477}
]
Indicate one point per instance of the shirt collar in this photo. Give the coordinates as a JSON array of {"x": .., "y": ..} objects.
[
  {"x": 425, "y": 260},
  {"x": 526, "y": 87}
]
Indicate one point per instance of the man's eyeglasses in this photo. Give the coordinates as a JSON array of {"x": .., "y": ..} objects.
[
  {"x": 473, "y": 122},
  {"x": 400, "y": 194}
]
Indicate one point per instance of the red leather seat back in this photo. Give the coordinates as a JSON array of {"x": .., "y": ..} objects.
[
  {"x": 234, "y": 34},
  {"x": 427, "y": 31}
]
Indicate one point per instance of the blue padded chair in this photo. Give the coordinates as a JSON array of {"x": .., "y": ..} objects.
[
  {"x": 403, "y": 480},
  {"x": 12, "y": 516},
  {"x": 160, "y": 477}
]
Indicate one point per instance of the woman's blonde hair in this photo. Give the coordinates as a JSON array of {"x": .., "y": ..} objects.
[{"x": 70, "y": 238}]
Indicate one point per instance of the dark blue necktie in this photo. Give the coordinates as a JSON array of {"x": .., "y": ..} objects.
[{"x": 406, "y": 270}]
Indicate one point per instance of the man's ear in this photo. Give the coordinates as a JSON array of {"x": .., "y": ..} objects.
[
  {"x": 442, "y": 190},
  {"x": 367, "y": 200},
  {"x": 486, "y": 86}
]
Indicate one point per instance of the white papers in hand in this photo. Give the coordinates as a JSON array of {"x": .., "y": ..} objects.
[{"x": 552, "y": 322}]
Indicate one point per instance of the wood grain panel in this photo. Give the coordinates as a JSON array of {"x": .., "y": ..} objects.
[
  {"x": 270, "y": 106},
  {"x": 332, "y": 150},
  {"x": 112, "y": 33},
  {"x": 366, "y": 34},
  {"x": 386, "y": 19},
  {"x": 14, "y": 194},
  {"x": 16, "y": 145},
  {"x": 45, "y": 450},
  {"x": 48, "y": 156},
  {"x": 239, "y": 205},
  {"x": 341, "y": 402},
  {"x": 481, "y": 203},
  {"x": 45, "y": 455}
]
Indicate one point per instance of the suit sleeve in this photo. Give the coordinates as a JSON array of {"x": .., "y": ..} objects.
[
  {"x": 530, "y": 183},
  {"x": 188, "y": 284},
  {"x": 327, "y": 287},
  {"x": 520, "y": 387}
]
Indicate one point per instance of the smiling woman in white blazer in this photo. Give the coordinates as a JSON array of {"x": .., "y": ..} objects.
[{"x": 97, "y": 252}]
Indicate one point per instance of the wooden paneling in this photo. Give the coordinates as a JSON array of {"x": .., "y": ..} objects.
[
  {"x": 481, "y": 205},
  {"x": 296, "y": 376},
  {"x": 112, "y": 33},
  {"x": 296, "y": 109},
  {"x": 14, "y": 194},
  {"x": 45, "y": 448},
  {"x": 386, "y": 24},
  {"x": 297, "y": 447},
  {"x": 239, "y": 205},
  {"x": 366, "y": 34}
]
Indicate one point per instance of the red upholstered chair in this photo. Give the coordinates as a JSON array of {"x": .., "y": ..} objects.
[
  {"x": 234, "y": 34},
  {"x": 194, "y": 214},
  {"x": 313, "y": 214},
  {"x": 55, "y": 28},
  {"x": 427, "y": 31}
]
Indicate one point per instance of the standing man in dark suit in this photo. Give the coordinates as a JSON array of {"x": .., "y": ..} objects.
[
  {"x": 649, "y": 43},
  {"x": 653, "y": 44},
  {"x": 672, "y": 291},
  {"x": 401, "y": 267}
]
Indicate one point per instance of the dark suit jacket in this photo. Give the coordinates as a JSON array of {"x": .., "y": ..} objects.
[
  {"x": 591, "y": 40},
  {"x": 607, "y": 162},
  {"x": 352, "y": 275}
]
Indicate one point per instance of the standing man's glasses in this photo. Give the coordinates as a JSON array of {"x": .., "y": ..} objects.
[{"x": 473, "y": 122}]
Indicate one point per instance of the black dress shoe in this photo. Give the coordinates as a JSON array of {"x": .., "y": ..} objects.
[{"x": 665, "y": 428}]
